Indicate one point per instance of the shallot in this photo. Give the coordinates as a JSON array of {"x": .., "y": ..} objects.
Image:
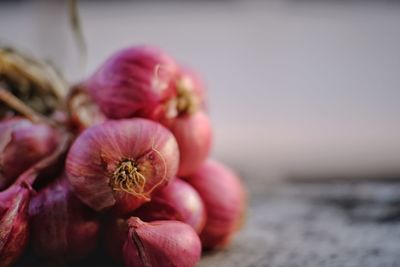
[
  {"x": 14, "y": 229},
  {"x": 225, "y": 202},
  {"x": 62, "y": 228},
  {"x": 177, "y": 201},
  {"x": 120, "y": 163},
  {"x": 194, "y": 136},
  {"x": 14, "y": 204},
  {"x": 155, "y": 244},
  {"x": 23, "y": 143},
  {"x": 133, "y": 82}
]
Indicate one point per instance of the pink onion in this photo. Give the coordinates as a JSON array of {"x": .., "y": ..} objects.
[
  {"x": 177, "y": 201},
  {"x": 185, "y": 116},
  {"x": 133, "y": 82},
  {"x": 14, "y": 230},
  {"x": 23, "y": 143},
  {"x": 194, "y": 136},
  {"x": 156, "y": 244},
  {"x": 121, "y": 163},
  {"x": 224, "y": 198},
  {"x": 62, "y": 228},
  {"x": 14, "y": 203}
]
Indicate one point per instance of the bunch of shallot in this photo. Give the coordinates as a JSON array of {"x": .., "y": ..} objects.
[{"x": 116, "y": 166}]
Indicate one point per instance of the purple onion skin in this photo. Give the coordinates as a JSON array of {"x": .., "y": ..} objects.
[
  {"x": 194, "y": 136},
  {"x": 186, "y": 117},
  {"x": 161, "y": 243},
  {"x": 156, "y": 244},
  {"x": 177, "y": 201},
  {"x": 133, "y": 82},
  {"x": 62, "y": 228},
  {"x": 22, "y": 144},
  {"x": 224, "y": 198},
  {"x": 14, "y": 229},
  {"x": 99, "y": 151}
]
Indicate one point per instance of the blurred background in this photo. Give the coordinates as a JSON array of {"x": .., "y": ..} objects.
[{"x": 297, "y": 88}]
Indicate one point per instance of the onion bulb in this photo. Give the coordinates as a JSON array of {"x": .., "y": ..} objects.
[
  {"x": 224, "y": 199},
  {"x": 194, "y": 136},
  {"x": 23, "y": 143},
  {"x": 177, "y": 201},
  {"x": 120, "y": 163},
  {"x": 62, "y": 228},
  {"x": 155, "y": 244},
  {"x": 133, "y": 82},
  {"x": 14, "y": 229}
]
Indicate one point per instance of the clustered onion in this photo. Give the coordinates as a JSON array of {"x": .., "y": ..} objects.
[
  {"x": 121, "y": 168},
  {"x": 62, "y": 228},
  {"x": 23, "y": 143},
  {"x": 177, "y": 201},
  {"x": 121, "y": 163},
  {"x": 224, "y": 199}
]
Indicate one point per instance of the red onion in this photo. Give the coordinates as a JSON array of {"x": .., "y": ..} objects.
[
  {"x": 177, "y": 201},
  {"x": 13, "y": 223},
  {"x": 133, "y": 82},
  {"x": 156, "y": 244},
  {"x": 121, "y": 163},
  {"x": 14, "y": 204},
  {"x": 62, "y": 228},
  {"x": 145, "y": 82},
  {"x": 186, "y": 118},
  {"x": 23, "y": 143},
  {"x": 224, "y": 198},
  {"x": 194, "y": 136}
]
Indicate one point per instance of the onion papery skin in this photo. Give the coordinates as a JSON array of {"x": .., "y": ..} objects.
[
  {"x": 224, "y": 198},
  {"x": 23, "y": 143},
  {"x": 156, "y": 244},
  {"x": 192, "y": 81},
  {"x": 189, "y": 96},
  {"x": 83, "y": 111},
  {"x": 63, "y": 230},
  {"x": 177, "y": 201},
  {"x": 104, "y": 154},
  {"x": 14, "y": 231},
  {"x": 194, "y": 136},
  {"x": 133, "y": 82}
]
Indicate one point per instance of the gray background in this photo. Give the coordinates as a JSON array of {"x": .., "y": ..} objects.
[{"x": 295, "y": 87}]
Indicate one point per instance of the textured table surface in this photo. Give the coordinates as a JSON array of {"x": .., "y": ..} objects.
[{"x": 334, "y": 223}]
